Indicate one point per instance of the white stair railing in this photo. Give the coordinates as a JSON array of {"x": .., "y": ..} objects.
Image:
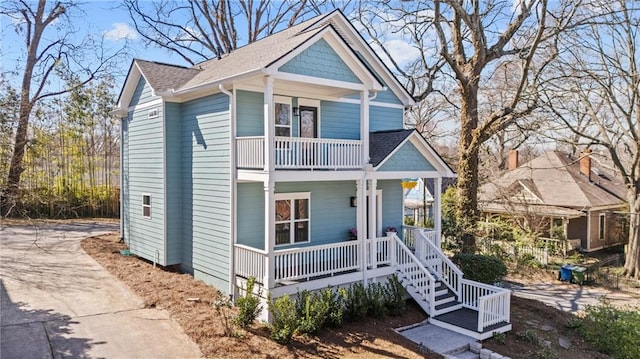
[
  {"x": 492, "y": 303},
  {"x": 412, "y": 270},
  {"x": 438, "y": 263}
]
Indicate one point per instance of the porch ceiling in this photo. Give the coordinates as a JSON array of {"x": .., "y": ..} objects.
[{"x": 299, "y": 89}]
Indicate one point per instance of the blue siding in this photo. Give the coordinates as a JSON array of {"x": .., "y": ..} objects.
[
  {"x": 173, "y": 181},
  {"x": 331, "y": 214},
  {"x": 320, "y": 60},
  {"x": 250, "y": 217},
  {"x": 385, "y": 118},
  {"x": 145, "y": 176},
  {"x": 249, "y": 113},
  {"x": 206, "y": 195},
  {"x": 143, "y": 93},
  {"x": 340, "y": 120},
  {"x": 407, "y": 158},
  {"x": 391, "y": 204}
]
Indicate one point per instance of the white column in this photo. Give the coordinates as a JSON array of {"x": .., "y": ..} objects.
[
  {"x": 269, "y": 125},
  {"x": 361, "y": 226},
  {"x": 437, "y": 210},
  {"x": 269, "y": 233},
  {"x": 372, "y": 224},
  {"x": 364, "y": 125}
]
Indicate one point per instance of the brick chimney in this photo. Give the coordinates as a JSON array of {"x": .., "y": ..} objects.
[
  {"x": 513, "y": 160},
  {"x": 585, "y": 163}
]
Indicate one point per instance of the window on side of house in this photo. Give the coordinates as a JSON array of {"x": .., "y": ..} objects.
[
  {"x": 602, "y": 224},
  {"x": 293, "y": 222},
  {"x": 283, "y": 115},
  {"x": 146, "y": 205}
]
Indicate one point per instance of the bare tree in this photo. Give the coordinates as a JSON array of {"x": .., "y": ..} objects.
[
  {"x": 211, "y": 28},
  {"x": 47, "y": 54},
  {"x": 596, "y": 95},
  {"x": 465, "y": 42}
]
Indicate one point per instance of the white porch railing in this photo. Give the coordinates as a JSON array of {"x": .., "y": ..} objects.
[
  {"x": 250, "y": 152},
  {"x": 300, "y": 153},
  {"x": 379, "y": 251},
  {"x": 492, "y": 303},
  {"x": 435, "y": 260},
  {"x": 249, "y": 262},
  {"x": 309, "y": 262},
  {"x": 410, "y": 268}
]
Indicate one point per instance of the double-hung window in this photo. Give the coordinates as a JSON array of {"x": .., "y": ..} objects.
[
  {"x": 292, "y": 218},
  {"x": 283, "y": 115},
  {"x": 146, "y": 205}
]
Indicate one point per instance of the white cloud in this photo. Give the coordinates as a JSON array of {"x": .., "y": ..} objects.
[{"x": 121, "y": 31}]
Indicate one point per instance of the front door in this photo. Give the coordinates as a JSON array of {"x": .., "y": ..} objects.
[{"x": 308, "y": 122}]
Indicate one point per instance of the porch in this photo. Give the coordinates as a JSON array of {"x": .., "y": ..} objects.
[
  {"x": 300, "y": 153},
  {"x": 430, "y": 278}
]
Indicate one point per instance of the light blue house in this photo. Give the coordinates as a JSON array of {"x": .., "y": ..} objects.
[{"x": 260, "y": 164}]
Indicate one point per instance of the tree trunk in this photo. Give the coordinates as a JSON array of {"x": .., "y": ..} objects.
[
  {"x": 467, "y": 213},
  {"x": 632, "y": 260}
]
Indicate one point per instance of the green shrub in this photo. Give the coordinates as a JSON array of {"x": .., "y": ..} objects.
[
  {"x": 248, "y": 305},
  {"x": 612, "y": 330},
  {"x": 356, "y": 304},
  {"x": 376, "y": 302},
  {"x": 335, "y": 300},
  {"x": 481, "y": 268},
  {"x": 312, "y": 310},
  {"x": 284, "y": 319},
  {"x": 527, "y": 260},
  {"x": 394, "y": 296}
]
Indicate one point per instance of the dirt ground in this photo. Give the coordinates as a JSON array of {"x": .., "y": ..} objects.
[
  {"x": 537, "y": 328},
  {"x": 171, "y": 291}
]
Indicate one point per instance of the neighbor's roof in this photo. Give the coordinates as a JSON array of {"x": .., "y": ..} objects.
[{"x": 554, "y": 179}]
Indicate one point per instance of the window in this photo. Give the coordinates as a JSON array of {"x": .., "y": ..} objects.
[
  {"x": 283, "y": 116},
  {"x": 602, "y": 225},
  {"x": 292, "y": 218},
  {"x": 153, "y": 113},
  {"x": 146, "y": 205}
]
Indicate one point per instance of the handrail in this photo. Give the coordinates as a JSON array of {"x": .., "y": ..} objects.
[
  {"x": 250, "y": 262},
  {"x": 494, "y": 308},
  {"x": 449, "y": 273},
  {"x": 428, "y": 291},
  {"x": 309, "y": 262}
]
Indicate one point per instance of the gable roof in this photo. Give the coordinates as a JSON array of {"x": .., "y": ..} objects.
[
  {"x": 383, "y": 144},
  {"x": 256, "y": 57},
  {"x": 556, "y": 180}
]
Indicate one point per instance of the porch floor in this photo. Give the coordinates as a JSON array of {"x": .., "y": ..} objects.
[{"x": 468, "y": 319}]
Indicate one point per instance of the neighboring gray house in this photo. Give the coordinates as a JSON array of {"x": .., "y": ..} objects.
[
  {"x": 570, "y": 192},
  {"x": 262, "y": 163}
]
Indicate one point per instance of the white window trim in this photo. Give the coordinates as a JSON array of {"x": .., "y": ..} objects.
[
  {"x": 602, "y": 226},
  {"x": 287, "y": 101},
  {"x": 293, "y": 196},
  {"x": 311, "y": 103},
  {"x": 150, "y": 205}
]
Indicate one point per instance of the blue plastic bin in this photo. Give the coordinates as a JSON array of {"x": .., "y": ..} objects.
[{"x": 566, "y": 272}]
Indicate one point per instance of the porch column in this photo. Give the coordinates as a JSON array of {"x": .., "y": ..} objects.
[
  {"x": 269, "y": 125},
  {"x": 372, "y": 222},
  {"x": 269, "y": 233},
  {"x": 364, "y": 125},
  {"x": 361, "y": 226},
  {"x": 437, "y": 210}
]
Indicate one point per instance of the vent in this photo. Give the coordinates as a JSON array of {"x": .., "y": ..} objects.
[{"x": 153, "y": 113}]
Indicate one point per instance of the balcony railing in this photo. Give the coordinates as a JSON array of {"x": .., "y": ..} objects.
[{"x": 300, "y": 153}]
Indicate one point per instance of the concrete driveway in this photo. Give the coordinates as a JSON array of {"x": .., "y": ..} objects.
[{"x": 58, "y": 302}]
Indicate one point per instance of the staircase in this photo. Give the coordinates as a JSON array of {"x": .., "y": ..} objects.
[{"x": 451, "y": 302}]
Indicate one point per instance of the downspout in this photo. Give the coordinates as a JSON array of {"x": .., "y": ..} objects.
[
  {"x": 232, "y": 186},
  {"x": 375, "y": 94},
  {"x": 122, "y": 119}
]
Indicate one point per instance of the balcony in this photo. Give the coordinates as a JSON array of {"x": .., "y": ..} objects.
[{"x": 300, "y": 153}]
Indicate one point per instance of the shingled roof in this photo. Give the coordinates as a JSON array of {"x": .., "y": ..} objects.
[
  {"x": 382, "y": 143},
  {"x": 163, "y": 77},
  {"x": 554, "y": 179}
]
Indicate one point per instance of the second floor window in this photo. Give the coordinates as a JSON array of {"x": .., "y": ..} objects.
[{"x": 283, "y": 116}]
